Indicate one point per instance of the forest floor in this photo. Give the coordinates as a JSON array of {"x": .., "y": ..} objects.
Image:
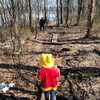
[{"x": 79, "y": 53}]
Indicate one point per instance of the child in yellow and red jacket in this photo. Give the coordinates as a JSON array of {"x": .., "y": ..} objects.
[{"x": 48, "y": 75}]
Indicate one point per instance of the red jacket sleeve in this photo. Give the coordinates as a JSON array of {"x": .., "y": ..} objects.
[
  {"x": 40, "y": 75},
  {"x": 57, "y": 71}
]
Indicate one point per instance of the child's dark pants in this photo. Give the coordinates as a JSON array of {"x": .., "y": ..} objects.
[{"x": 51, "y": 93}]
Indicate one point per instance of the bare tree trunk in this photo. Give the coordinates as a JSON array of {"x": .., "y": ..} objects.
[
  {"x": 61, "y": 16},
  {"x": 79, "y": 11},
  {"x": 38, "y": 12},
  {"x": 67, "y": 13},
  {"x": 30, "y": 14},
  {"x": 45, "y": 10},
  {"x": 13, "y": 17},
  {"x": 90, "y": 16},
  {"x": 57, "y": 2}
]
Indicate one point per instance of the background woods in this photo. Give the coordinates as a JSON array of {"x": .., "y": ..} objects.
[{"x": 66, "y": 12}]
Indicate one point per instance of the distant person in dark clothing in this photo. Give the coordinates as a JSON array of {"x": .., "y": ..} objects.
[{"x": 42, "y": 23}]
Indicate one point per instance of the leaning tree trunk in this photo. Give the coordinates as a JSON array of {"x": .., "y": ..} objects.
[{"x": 90, "y": 16}]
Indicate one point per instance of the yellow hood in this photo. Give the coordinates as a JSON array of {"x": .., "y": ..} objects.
[{"x": 46, "y": 60}]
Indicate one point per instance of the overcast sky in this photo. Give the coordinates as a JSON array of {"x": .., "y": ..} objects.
[{"x": 51, "y": 2}]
